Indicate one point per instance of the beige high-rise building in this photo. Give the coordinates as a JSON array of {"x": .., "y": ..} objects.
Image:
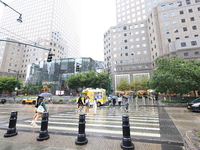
[
  {"x": 51, "y": 24},
  {"x": 148, "y": 29}
]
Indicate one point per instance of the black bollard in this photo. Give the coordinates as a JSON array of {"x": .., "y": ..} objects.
[
  {"x": 126, "y": 140},
  {"x": 44, "y": 135},
  {"x": 81, "y": 140},
  {"x": 12, "y": 125}
]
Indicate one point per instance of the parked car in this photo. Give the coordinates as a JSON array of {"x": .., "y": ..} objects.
[
  {"x": 195, "y": 107},
  {"x": 3, "y": 101},
  {"x": 189, "y": 104},
  {"x": 30, "y": 100}
]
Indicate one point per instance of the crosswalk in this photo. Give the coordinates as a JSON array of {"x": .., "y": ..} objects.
[{"x": 106, "y": 122}]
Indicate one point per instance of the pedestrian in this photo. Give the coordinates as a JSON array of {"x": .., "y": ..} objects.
[
  {"x": 87, "y": 104},
  {"x": 36, "y": 106},
  {"x": 126, "y": 103},
  {"x": 51, "y": 100},
  {"x": 95, "y": 106},
  {"x": 119, "y": 99},
  {"x": 79, "y": 104},
  {"x": 109, "y": 101},
  {"x": 114, "y": 101},
  {"x": 39, "y": 114}
]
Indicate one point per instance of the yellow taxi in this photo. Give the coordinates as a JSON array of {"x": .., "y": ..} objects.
[{"x": 30, "y": 100}]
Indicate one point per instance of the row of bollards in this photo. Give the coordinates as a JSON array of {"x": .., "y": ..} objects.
[{"x": 81, "y": 138}]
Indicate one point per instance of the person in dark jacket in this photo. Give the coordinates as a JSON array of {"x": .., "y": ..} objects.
[{"x": 79, "y": 104}]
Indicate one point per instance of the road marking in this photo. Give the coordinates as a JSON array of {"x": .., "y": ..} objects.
[{"x": 96, "y": 130}]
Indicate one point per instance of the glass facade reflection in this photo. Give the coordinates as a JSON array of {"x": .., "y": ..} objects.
[{"x": 57, "y": 71}]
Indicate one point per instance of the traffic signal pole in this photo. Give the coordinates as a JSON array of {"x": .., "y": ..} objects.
[
  {"x": 27, "y": 44},
  {"x": 49, "y": 55}
]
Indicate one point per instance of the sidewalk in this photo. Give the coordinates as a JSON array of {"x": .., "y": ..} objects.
[{"x": 27, "y": 141}]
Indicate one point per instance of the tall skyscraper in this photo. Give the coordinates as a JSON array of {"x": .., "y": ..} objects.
[
  {"x": 52, "y": 24},
  {"x": 147, "y": 30}
]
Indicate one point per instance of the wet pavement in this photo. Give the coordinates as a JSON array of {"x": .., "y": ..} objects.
[{"x": 151, "y": 127}]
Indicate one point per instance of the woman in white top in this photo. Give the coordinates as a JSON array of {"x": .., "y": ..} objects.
[{"x": 95, "y": 106}]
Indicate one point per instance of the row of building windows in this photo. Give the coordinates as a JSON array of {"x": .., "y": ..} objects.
[
  {"x": 131, "y": 61},
  {"x": 182, "y": 21},
  {"x": 193, "y": 43},
  {"x": 178, "y": 4},
  {"x": 195, "y": 53},
  {"x": 131, "y": 53},
  {"x": 177, "y": 30},
  {"x": 181, "y": 12},
  {"x": 131, "y": 68}
]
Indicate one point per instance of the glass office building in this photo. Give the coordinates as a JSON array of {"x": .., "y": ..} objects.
[{"x": 57, "y": 72}]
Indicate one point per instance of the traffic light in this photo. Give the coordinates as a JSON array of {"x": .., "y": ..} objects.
[
  {"x": 49, "y": 57},
  {"x": 77, "y": 68}
]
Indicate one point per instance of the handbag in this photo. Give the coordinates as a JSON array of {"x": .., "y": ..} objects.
[{"x": 40, "y": 109}]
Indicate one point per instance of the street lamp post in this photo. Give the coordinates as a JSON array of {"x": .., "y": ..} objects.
[
  {"x": 20, "y": 15},
  {"x": 16, "y": 84}
]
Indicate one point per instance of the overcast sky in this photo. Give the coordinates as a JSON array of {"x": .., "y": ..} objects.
[{"x": 97, "y": 17}]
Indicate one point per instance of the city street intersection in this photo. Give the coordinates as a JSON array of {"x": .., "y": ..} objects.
[{"x": 152, "y": 126}]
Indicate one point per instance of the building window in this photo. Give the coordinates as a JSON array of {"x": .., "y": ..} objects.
[
  {"x": 171, "y": 5},
  {"x": 184, "y": 28},
  {"x": 125, "y": 34},
  {"x": 172, "y": 14},
  {"x": 132, "y": 53},
  {"x": 163, "y": 7},
  {"x": 175, "y": 30},
  {"x": 188, "y": 2},
  {"x": 125, "y": 41},
  {"x": 164, "y": 15},
  {"x": 186, "y": 54},
  {"x": 124, "y": 27},
  {"x": 192, "y": 18},
  {"x": 194, "y": 27},
  {"x": 190, "y": 10},
  {"x": 183, "y": 44},
  {"x": 165, "y": 23},
  {"x": 196, "y": 53},
  {"x": 179, "y": 4},
  {"x": 126, "y": 54},
  {"x": 197, "y": 1},
  {"x": 167, "y": 32},
  {"x": 182, "y": 20},
  {"x": 126, "y": 47},
  {"x": 198, "y": 8},
  {"x": 181, "y": 12},
  {"x": 196, "y": 35},
  {"x": 193, "y": 43},
  {"x": 169, "y": 40},
  {"x": 186, "y": 37},
  {"x": 174, "y": 22}
]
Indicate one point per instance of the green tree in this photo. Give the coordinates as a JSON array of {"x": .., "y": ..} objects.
[
  {"x": 175, "y": 75},
  {"x": 90, "y": 79},
  {"x": 123, "y": 85},
  {"x": 139, "y": 83},
  {"x": 9, "y": 84}
]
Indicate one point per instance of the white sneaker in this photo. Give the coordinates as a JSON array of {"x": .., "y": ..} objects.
[{"x": 32, "y": 122}]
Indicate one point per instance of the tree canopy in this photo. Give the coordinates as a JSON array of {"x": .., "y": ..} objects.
[
  {"x": 90, "y": 79},
  {"x": 9, "y": 84},
  {"x": 175, "y": 75}
]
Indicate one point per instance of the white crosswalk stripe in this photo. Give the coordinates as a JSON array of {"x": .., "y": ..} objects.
[{"x": 140, "y": 125}]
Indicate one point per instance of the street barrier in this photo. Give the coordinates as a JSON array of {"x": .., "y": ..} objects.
[
  {"x": 81, "y": 140},
  {"x": 44, "y": 135},
  {"x": 11, "y": 131},
  {"x": 126, "y": 140}
]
